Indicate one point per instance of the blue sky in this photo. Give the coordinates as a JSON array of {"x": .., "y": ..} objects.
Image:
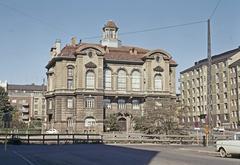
[{"x": 30, "y": 27}]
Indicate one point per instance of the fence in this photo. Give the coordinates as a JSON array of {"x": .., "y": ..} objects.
[
  {"x": 51, "y": 138},
  {"x": 160, "y": 139},
  {"x": 107, "y": 138}
]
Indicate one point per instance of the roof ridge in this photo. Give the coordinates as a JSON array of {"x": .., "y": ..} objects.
[{"x": 214, "y": 58}]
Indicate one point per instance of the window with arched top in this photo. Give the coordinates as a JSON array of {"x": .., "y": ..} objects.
[
  {"x": 158, "y": 82},
  {"x": 136, "y": 82},
  {"x": 90, "y": 121},
  {"x": 90, "y": 80},
  {"x": 108, "y": 79},
  {"x": 122, "y": 80}
]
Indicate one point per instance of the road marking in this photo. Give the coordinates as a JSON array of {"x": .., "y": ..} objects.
[{"x": 24, "y": 158}]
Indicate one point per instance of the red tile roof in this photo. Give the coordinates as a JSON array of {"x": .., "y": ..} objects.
[
  {"x": 110, "y": 24},
  {"x": 122, "y": 53}
]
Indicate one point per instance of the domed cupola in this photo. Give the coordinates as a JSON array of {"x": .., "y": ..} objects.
[{"x": 110, "y": 36}]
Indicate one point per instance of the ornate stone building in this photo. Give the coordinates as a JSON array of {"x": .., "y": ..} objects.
[{"x": 87, "y": 82}]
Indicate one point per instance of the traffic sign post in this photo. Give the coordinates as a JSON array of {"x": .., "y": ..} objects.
[{"x": 207, "y": 133}]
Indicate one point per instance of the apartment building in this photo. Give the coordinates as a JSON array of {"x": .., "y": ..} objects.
[
  {"x": 235, "y": 94},
  {"x": 193, "y": 86},
  {"x": 29, "y": 100}
]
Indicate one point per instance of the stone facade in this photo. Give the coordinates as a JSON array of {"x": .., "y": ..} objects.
[
  {"x": 88, "y": 82},
  {"x": 194, "y": 92}
]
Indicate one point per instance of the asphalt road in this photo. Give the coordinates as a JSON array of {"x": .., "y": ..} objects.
[{"x": 97, "y": 154}]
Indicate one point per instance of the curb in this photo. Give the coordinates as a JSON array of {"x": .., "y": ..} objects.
[{"x": 200, "y": 151}]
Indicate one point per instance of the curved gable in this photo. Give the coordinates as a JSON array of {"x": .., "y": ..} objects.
[
  {"x": 165, "y": 54},
  {"x": 81, "y": 49}
]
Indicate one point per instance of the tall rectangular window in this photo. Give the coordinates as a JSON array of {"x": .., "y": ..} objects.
[
  {"x": 69, "y": 122},
  {"x": 50, "y": 104},
  {"x": 135, "y": 104},
  {"x": 122, "y": 80},
  {"x": 136, "y": 81},
  {"x": 158, "y": 82},
  {"x": 70, "y": 77},
  {"x": 90, "y": 80},
  {"x": 121, "y": 104},
  {"x": 70, "y": 103},
  {"x": 89, "y": 102},
  {"x": 70, "y": 72},
  {"x": 69, "y": 84},
  {"x": 108, "y": 79}
]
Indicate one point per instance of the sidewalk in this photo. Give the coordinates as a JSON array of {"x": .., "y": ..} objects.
[{"x": 200, "y": 149}]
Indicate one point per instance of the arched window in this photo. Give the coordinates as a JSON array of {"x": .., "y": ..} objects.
[
  {"x": 108, "y": 79},
  {"x": 90, "y": 121},
  {"x": 136, "y": 81},
  {"x": 90, "y": 80},
  {"x": 122, "y": 80},
  {"x": 158, "y": 82}
]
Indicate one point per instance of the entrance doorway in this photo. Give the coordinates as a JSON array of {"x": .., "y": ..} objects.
[{"x": 122, "y": 123}]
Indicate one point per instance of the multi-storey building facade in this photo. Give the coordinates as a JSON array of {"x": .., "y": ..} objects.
[
  {"x": 235, "y": 94},
  {"x": 29, "y": 100},
  {"x": 194, "y": 91},
  {"x": 88, "y": 82}
]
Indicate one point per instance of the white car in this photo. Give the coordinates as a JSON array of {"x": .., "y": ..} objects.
[
  {"x": 225, "y": 147},
  {"x": 52, "y": 131},
  {"x": 218, "y": 129}
]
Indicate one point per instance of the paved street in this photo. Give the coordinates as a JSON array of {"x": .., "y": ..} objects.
[{"x": 90, "y": 154}]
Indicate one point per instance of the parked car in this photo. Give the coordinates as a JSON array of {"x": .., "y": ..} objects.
[
  {"x": 52, "y": 131},
  {"x": 225, "y": 147},
  {"x": 218, "y": 129}
]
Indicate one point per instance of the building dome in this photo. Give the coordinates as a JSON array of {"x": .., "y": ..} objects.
[{"x": 110, "y": 24}]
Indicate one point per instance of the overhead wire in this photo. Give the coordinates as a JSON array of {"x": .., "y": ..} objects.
[
  {"x": 153, "y": 29},
  {"x": 214, "y": 10},
  {"x": 33, "y": 18},
  {"x": 120, "y": 34}
]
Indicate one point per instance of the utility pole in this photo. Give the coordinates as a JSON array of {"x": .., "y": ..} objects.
[{"x": 209, "y": 86}]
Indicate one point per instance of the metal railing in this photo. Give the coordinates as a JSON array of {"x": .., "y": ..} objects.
[
  {"x": 51, "y": 138},
  {"x": 161, "y": 139},
  {"x": 109, "y": 138}
]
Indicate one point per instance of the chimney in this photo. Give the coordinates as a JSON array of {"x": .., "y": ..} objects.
[
  {"x": 73, "y": 41},
  {"x": 53, "y": 51},
  {"x": 58, "y": 46},
  {"x": 133, "y": 51},
  {"x": 106, "y": 49}
]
